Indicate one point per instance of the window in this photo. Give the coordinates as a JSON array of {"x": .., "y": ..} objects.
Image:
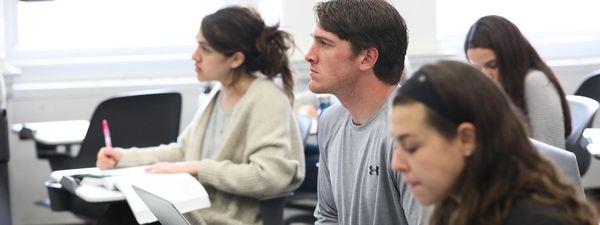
[
  {"x": 558, "y": 29},
  {"x": 92, "y": 28}
]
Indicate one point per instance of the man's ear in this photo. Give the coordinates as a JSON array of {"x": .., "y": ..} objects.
[
  {"x": 236, "y": 60},
  {"x": 467, "y": 137},
  {"x": 369, "y": 58}
]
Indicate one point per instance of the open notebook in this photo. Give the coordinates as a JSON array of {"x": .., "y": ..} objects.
[{"x": 183, "y": 190}]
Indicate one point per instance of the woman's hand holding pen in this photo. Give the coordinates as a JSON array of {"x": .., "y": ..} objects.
[
  {"x": 190, "y": 167},
  {"x": 107, "y": 158}
]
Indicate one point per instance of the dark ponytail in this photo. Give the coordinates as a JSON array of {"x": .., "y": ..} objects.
[
  {"x": 238, "y": 29},
  {"x": 272, "y": 46}
]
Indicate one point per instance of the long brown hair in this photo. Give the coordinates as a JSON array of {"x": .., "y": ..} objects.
[
  {"x": 504, "y": 166},
  {"x": 238, "y": 29},
  {"x": 515, "y": 57}
]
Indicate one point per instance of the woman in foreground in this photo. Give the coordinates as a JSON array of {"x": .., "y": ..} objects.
[{"x": 462, "y": 148}]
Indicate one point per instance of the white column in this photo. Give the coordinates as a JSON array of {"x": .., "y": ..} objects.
[
  {"x": 420, "y": 17},
  {"x": 298, "y": 19},
  {"x": 5, "y": 68}
]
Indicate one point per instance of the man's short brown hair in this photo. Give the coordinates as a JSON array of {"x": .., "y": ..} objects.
[{"x": 369, "y": 24}]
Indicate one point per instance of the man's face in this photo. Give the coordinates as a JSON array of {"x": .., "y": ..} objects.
[{"x": 333, "y": 66}]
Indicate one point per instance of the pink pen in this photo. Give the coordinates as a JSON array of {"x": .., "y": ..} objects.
[{"x": 107, "y": 141}]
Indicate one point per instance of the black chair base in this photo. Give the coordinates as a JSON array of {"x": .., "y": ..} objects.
[{"x": 304, "y": 218}]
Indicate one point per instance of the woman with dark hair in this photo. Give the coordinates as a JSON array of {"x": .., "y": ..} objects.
[
  {"x": 499, "y": 50},
  {"x": 243, "y": 143},
  {"x": 462, "y": 148}
]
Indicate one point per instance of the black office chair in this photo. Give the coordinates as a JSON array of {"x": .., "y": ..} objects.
[
  {"x": 271, "y": 208},
  {"x": 565, "y": 163},
  {"x": 5, "y": 217},
  {"x": 583, "y": 110},
  {"x": 305, "y": 197},
  {"x": 304, "y": 123},
  {"x": 590, "y": 86},
  {"x": 141, "y": 119}
]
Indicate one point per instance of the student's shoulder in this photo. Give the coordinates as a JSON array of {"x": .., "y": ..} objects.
[
  {"x": 333, "y": 113},
  {"x": 263, "y": 85},
  {"x": 529, "y": 211},
  {"x": 536, "y": 78},
  {"x": 333, "y": 117},
  {"x": 267, "y": 92}
]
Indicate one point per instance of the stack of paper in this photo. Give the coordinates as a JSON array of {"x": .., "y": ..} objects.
[{"x": 183, "y": 190}]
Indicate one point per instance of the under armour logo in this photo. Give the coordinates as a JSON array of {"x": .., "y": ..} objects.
[{"x": 374, "y": 170}]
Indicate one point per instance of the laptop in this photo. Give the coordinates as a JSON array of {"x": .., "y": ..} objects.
[{"x": 165, "y": 211}]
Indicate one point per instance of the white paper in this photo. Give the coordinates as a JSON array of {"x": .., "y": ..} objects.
[{"x": 183, "y": 190}]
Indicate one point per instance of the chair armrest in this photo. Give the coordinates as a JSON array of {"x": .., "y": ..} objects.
[
  {"x": 59, "y": 198},
  {"x": 271, "y": 208},
  {"x": 276, "y": 197}
]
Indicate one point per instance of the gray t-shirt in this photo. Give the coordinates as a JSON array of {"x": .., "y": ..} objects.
[
  {"x": 213, "y": 135},
  {"x": 356, "y": 184}
]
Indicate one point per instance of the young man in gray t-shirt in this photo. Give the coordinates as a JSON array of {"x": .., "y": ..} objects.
[{"x": 358, "y": 55}]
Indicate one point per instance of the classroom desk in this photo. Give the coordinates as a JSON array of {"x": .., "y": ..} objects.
[
  {"x": 60, "y": 200},
  {"x": 55, "y": 138},
  {"x": 593, "y": 136},
  {"x": 63, "y": 139}
]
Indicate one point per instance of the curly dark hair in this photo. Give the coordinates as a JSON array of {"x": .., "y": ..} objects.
[{"x": 238, "y": 29}]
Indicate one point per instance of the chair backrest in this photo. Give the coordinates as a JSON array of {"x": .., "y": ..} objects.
[
  {"x": 564, "y": 161},
  {"x": 271, "y": 208},
  {"x": 304, "y": 123},
  {"x": 4, "y": 153},
  {"x": 136, "y": 119},
  {"x": 583, "y": 110},
  {"x": 5, "y": 217},
  {"x": 590, "y": 86}
]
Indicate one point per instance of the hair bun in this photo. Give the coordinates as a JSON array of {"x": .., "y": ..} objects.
[{"x": 271, "y": 45}]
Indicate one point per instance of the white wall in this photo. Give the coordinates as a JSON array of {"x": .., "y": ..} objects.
[
  {"x": 298, "y": 19},
  {"x": 420, "y": 18}
]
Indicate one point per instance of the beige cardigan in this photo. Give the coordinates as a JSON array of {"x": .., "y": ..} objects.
[{"x": 261, "y": 155}]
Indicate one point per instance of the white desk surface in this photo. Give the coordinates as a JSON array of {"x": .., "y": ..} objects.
[
  {"x": 89, "y": 193},
  {"x": 98, "y": 194},
  {"x": 56, "y": 132},
  {"x": 593, "y": 135},
  {"x": 92, "y": 193}
]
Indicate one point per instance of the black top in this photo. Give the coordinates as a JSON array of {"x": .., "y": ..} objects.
[{"x": 525, "y": 211}]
